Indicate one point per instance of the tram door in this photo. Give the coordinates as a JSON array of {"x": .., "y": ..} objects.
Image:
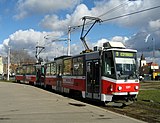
[
  {"x": 93, "y": 79},
  {"x": 40, "y": 75}
]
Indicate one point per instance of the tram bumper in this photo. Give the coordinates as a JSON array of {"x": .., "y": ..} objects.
[
  {"x": 106, "y": 97},
  {"x": 119, "y": 96}
]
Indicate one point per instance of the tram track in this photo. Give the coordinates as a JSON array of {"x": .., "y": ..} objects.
[
  {"x": 138, "y": 111},
  {"x": 145, "y": 109}
]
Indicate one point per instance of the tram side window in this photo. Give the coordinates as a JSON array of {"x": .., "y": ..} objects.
[
  {"x": 59, "y": 69},
  {"x": 42, "y": 70},
  {"x": 67, "y": 70},
  {"x": 32, "y": 70},
  {"x": 78, "y": 66},
  {"x": 53, "y": 68},
  {"x": 27, "y": 70},
  {"x": 24, "y": 69},
  {"x": 48, "y": 69},
  {"x": 19, "y": 71},
  {"x": 109, "y": 69}
]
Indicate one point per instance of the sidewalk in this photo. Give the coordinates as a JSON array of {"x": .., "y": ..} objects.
[{"x": 27, "y": 104}]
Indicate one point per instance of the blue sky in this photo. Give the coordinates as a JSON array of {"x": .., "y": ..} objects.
[{"x": 23, "y": 23}]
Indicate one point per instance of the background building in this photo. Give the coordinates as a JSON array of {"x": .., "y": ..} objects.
[
  {"x": 1, "y": 66},
  {"x": 149, "y": 71}
]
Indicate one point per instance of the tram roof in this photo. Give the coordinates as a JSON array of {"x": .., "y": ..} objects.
[
  {"x": 30, "y": 64},
  {"x": 109, "y": 49},
  {"x": 62, "y": 57},
  {"x": 118, "y": 49}
]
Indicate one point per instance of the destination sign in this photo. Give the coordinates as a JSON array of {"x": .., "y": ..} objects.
[{"x": 124, "y": 54}]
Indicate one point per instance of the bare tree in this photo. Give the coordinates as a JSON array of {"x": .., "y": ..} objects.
[
  {"x": 20, "y": 57},
  {"x": 17, "y": 58}
]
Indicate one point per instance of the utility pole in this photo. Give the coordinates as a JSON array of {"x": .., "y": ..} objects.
[
  {"x": 65, "y": 39},
  {"x": 153, "y": 41},
  {"x": 69, "y": 41},
  {"x": 153, "y": 49},
  {"x": 8, "y": 64}
]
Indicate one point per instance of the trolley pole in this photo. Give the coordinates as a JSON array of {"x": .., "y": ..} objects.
[{"x": 8, "y": 63}]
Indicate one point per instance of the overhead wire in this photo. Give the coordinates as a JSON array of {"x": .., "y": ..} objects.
[
  {"x": 57, "y": 38},
  {"x": 115, "y": 8},
  {"x": 132, "y": 13},
  {"x": 107, "y": 12},
  {"x": 74, "y": 28},
  {"x": 124, "y": 15},
  {"x": 113, "y": 18}
]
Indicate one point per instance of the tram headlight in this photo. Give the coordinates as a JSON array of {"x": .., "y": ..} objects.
[
  {"x": 136, "y": 87},
  {"x": 111, "y": 88},
  {"x": 119, "y": 88}
]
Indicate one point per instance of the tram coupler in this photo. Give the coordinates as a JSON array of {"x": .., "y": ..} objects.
[
  {"x": 128, "y": 103},
  {"x": 114, "y": 104},
  {"x": 119, "y": 104}
]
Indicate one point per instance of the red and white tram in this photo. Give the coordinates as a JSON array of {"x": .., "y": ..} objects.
[
  {"x": 30, "y": 73},
  {"x": 106, "y": 75},
  {"x": 26, "y": 73}
]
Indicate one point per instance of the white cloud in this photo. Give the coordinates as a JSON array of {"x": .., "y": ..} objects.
[
  {"x": 100, "y": 42},
  {"x": 28, "y": 40},
  {"x": 154, "y": 25},
  {"x": 139, "y": 19},
  {"x": 120, "y": 39},
  {"x": 53, "y": 22},
  {"x": 30, "y": 7},
  {"x": 148, "y": 21},
  {"x": 3, "y": 51},
  {"x": 151, "y": 33},
  {"x": 25, "y": 38},
  {"x": 138, "y": 41},
  {"x": 105, "y": 10}
]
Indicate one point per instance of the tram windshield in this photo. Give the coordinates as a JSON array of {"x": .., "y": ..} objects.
[
  {"x": 119, "y": 65},
  {"x": 125, "y": 65},
  {"x": 108, "y": 65},
  {"x": 126, "y": 68}
]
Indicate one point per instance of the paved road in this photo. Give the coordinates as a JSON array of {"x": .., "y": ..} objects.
[{"x": 27, "y": 104}]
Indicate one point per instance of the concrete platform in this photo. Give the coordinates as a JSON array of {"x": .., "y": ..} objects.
[{"x": 27, "y": 104}]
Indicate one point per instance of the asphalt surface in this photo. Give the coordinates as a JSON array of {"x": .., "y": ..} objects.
[{"x": 27, "y": 104}]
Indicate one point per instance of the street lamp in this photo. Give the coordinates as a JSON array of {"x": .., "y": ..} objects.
[
  {"x": 8, "y": 63},
  {"x": 65, "y": 39},
  {"x": 146, "y": 39}
]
